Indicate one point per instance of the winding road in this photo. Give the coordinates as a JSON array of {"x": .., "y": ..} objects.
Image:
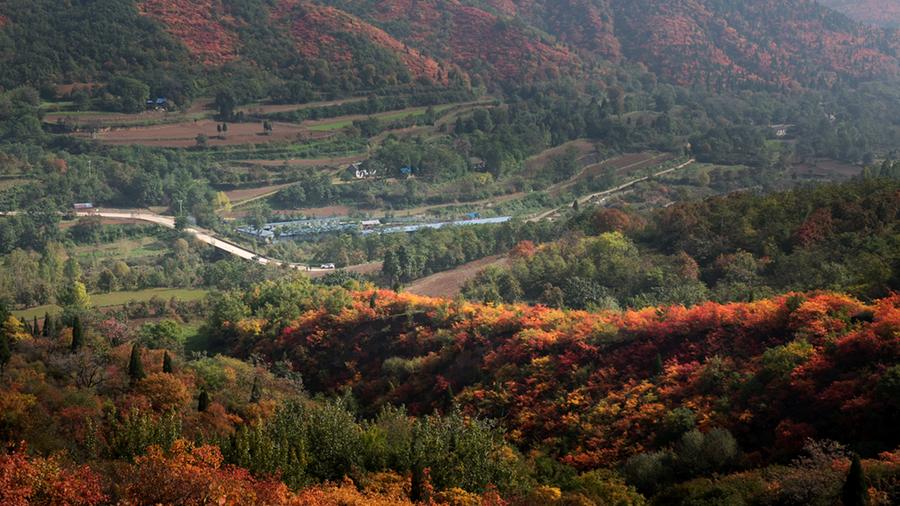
[
  {"x": 208, "y": 237},
  {"x": 202, "y": 235}
]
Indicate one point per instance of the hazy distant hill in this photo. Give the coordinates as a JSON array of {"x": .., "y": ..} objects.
[{"x": 876, "y": 12}]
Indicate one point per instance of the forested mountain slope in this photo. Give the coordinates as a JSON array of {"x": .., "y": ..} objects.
[
  {"x": 593, "y": 389},
  {"x": 773, "y": 43},
  {"x": 876, "y": 12}
]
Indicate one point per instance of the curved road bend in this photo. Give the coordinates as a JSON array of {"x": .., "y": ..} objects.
[{"x": 200, "y": 234}]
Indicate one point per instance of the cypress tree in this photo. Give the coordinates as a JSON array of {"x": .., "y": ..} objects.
[
  {"x": 167, "y": 363},
  {"x": 203, "y": 401},
  {"x": 658, "y": 365},
  {"x": 135, "y": 367},
  {"x": 35, "y": 328},
  {"x": 5, "y": 352},
  {"x": 77, "y": 334},
  {"x": 255, "y": 392},
  {"x": 373, "y": 300},
  {"x": 575, "y": 205},
  {"x": 47, "y": 325},
  {"x": 855, "y": 491}
]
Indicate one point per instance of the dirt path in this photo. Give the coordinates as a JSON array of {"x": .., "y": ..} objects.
[
  {"x": 604, "y": 193},
  {"x": 448, "y": 284}
]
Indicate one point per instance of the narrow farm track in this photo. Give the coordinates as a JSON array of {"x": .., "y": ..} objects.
[{"x": 587, "y": 198}]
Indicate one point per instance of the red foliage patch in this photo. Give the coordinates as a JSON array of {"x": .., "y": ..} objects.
[
  {"x": 770, "y": 371},
  {"x": 204, "y": 26},
  {"x": 314, "y": 28}
]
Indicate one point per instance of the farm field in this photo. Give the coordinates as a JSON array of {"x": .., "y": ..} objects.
[
  {"x": 123, "y": 249},
  {"x": 448, "y": 284},
  {"x": 184, "y": 134},
  {"x": 582, "y": 147},
  {"x": 260, "y": 109},
  {"x": 825, "y": 169},
  {"x": 6, "y": 184},
  {"x": 307, "y": 162},
  {"x": 118, "y": 298},
  {"x": 330, "y": 124},
  {"x": 244, "y": 195}
]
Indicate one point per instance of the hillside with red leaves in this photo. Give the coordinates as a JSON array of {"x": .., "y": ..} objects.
[
  {"x": 767, "y": 41},
  {"x": 782, "y": 44},
  {"x": 875, "y": 12},
  {"x": 320, "y": 32},
  {"x": 204, "y": 26},
  {"x": 476, "y": 39},
  {"x": 594, "y": 387}
]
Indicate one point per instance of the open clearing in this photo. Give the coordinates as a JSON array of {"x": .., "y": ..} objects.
[
  {"x": 582, "y": 147},
  {"x": 259, "y": 109},
  {"x": 448, "y": 284},
  {"x": 245, "y": 195},
  {"x": 123, "y": 249},
  {"x": 119, "y": 298},
  {"x": 182, "y": 135},
  {"x": 367, "y": 268},
  {"x": 337, "y": 161},
  {"x": 826, "y": 169}
]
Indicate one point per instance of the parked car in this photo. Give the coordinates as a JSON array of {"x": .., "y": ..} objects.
[{"x": 326, "y": 266}]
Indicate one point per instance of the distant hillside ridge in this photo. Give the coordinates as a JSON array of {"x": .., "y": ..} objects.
[{"x": 719, "y": 45}]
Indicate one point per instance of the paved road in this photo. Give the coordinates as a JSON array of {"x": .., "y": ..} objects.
[
  {"x": 200, "y": 234},
  {"x": 207, "y": 236}
]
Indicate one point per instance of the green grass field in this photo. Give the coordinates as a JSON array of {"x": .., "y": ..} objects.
[
  {"x": 383, "y": 116},
  {"x": 119, "y": 298},
  {"x": 123, "y": 249}
]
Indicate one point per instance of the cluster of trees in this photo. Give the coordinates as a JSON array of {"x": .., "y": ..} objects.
[
  {"x": 739, "y": 247},
  {"x": 669, "y": 419},
  {"x": 681, "y": 399}
]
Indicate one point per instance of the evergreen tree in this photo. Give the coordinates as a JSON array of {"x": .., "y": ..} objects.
[
  {"x": 373, "y": 300},
  {"x": 5, "y": 352},
  {"x": 167, "y": 363},
  {"x": 77, "y": 334},
  {"x": 135, "y": 366},
  {"x": 575, "y": 205},
  {"x": 855, "y": 491},
  {"x": 48, "y": 325},
  {"x": 658, "y": 365},
  {"x": 203, "y": 401},
  {"x": 255, "y": 392},
  {"x": 35, "y": 328}
]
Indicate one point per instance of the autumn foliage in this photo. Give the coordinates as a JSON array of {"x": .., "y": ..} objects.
[
  {"x": 28, "y": 480},
  {"x": 588, "y": 388}
]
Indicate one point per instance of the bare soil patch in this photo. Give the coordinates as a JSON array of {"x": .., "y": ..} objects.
[
  {"x": 236, "y": 196},
  {"x": 448, "y": 284},
  {"x": 184, "y": 134}
]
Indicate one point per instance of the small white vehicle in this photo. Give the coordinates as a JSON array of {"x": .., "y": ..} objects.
[{"x": 326, "y": 266}]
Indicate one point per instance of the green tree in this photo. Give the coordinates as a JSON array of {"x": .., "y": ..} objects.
[
  {"x": 48, "y": 325},
  {"x": 255, "y": 391},
  {"x": 855, "y": 492},
  {"x": 130, "y": 94},
  {"x": 77, "y": 334},
  {"x": 203, "y": 401},
  {"x": 5, "y": 351},
  {"x": 135, "y": 366},
  {"x": 167, "y": 363}
]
